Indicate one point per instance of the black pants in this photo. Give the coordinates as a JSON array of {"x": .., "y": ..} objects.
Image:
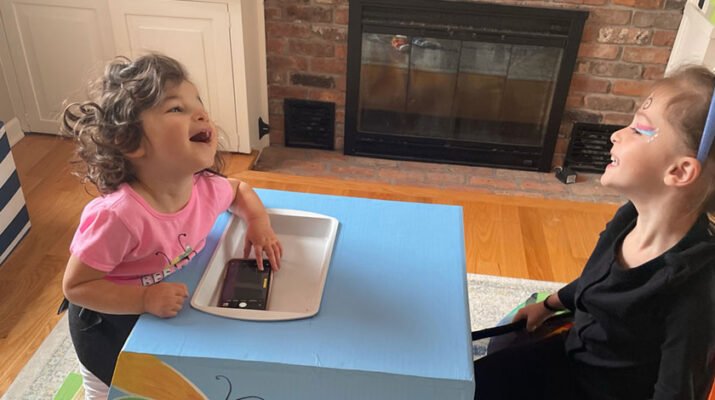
[
  {"x": 543, "y": 370},
  {"x": 98, "y": 338},
  {"x": 539, "y": 370}
]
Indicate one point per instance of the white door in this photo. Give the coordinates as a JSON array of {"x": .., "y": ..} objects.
[
  {"x": 57, "y": 47},
  {"x": 196, "y": 34}
]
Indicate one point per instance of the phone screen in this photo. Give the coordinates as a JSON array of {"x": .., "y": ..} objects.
[{"x": 244, "y": 286}]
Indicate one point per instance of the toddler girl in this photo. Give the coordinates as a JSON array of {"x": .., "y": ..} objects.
[{"x": 148, "y": 145}]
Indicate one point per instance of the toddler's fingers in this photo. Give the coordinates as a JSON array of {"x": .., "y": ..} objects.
[
  {"x": 276, "y": 255},
  {"x": 275, "y": 264},
  {"x": 178, "y": 289},
  {"x": 278, "y": 249},
  {"x": 258, "y": 251},
  {"x": 167, "y": 312},
  {"x": 179, "y": 298}
]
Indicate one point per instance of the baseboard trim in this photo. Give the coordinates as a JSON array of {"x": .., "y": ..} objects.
[{"x": 14, "y": 131}]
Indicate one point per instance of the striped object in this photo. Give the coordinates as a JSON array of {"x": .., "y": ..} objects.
[{"x": 14, "y": 219}]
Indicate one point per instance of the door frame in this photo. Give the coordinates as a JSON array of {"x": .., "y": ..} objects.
[{"x": 8, "y": 68}]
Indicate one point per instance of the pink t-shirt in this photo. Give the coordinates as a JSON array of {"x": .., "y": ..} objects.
[{"x": 122, "y": 235}]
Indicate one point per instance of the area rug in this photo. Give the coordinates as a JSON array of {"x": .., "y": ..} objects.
[{"x": 490, "y": 298}]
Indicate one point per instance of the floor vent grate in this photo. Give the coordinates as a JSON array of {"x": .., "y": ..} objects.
[
  {"x": 309, "y": 124},
  {"x": 590, "y": 147}
]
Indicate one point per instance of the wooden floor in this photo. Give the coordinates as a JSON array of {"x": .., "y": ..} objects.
[{"x": 505, "y": 236}]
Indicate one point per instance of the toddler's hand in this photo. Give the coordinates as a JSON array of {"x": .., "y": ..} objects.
[
  {"x": 261, "y": 238},
  {"x": 535, "y": 315},
  {"x": 165, "y": 299}
]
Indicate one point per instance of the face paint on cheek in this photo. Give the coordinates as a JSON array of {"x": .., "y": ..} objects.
[{"x": 646, "y": 130}]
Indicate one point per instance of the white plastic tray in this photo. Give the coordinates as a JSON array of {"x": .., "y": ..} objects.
[{"x": 297, "y": 289}]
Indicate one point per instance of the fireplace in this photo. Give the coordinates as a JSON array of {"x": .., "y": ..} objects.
[{"x": 455, "y": 82}]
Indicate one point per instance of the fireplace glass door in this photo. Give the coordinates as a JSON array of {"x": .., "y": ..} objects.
[
  {"x": 459, "y": 82},
  {"x": 473, "y": 91}
]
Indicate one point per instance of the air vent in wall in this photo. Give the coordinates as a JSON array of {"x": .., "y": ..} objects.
[
  {"x": 309, "y": 124},
  {"x": 590, "y": 147}
]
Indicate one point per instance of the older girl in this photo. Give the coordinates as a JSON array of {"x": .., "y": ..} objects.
[{"x": 644, "y": 306}]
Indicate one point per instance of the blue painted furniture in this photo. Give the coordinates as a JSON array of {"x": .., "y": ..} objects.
[{"x": 393, "y": 322}]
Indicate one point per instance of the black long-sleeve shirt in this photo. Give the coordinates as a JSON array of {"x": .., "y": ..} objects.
[{"x": 658, "y": 317}]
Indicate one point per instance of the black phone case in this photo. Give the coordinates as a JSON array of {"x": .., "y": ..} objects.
[{"x": 244, "y": 286}]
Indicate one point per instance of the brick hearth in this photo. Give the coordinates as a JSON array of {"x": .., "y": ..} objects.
[{"x": 321, "y": 163}]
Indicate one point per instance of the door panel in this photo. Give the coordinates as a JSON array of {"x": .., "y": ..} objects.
[
  {"x": 196, "y": 34},
  {"x": 57, "y": 47}
]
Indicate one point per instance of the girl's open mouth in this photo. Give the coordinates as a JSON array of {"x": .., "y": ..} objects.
[
  {"x": 614, "y": 161},
  {"x": 202, "y": 137}
]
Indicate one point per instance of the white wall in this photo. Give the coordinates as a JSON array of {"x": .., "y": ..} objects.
[
  {"x": 695, "y": 41},
  {"x": 6, "y": 112},
  {"x": 9, "y": 93}
]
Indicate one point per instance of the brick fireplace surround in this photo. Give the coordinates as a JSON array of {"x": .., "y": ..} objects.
[{"x": 625, "y": 46}]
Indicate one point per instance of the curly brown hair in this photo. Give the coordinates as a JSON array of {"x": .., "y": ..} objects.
[{"x": 107, "y": 126}]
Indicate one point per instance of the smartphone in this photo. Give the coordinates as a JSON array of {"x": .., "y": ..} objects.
[{"x": 244, "y": 285}]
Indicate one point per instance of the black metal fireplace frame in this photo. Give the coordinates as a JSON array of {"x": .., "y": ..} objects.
[{"x": 567, "y": 27}]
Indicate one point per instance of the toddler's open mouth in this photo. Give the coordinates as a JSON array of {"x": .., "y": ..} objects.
[{"x": 203, "y": 137}]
